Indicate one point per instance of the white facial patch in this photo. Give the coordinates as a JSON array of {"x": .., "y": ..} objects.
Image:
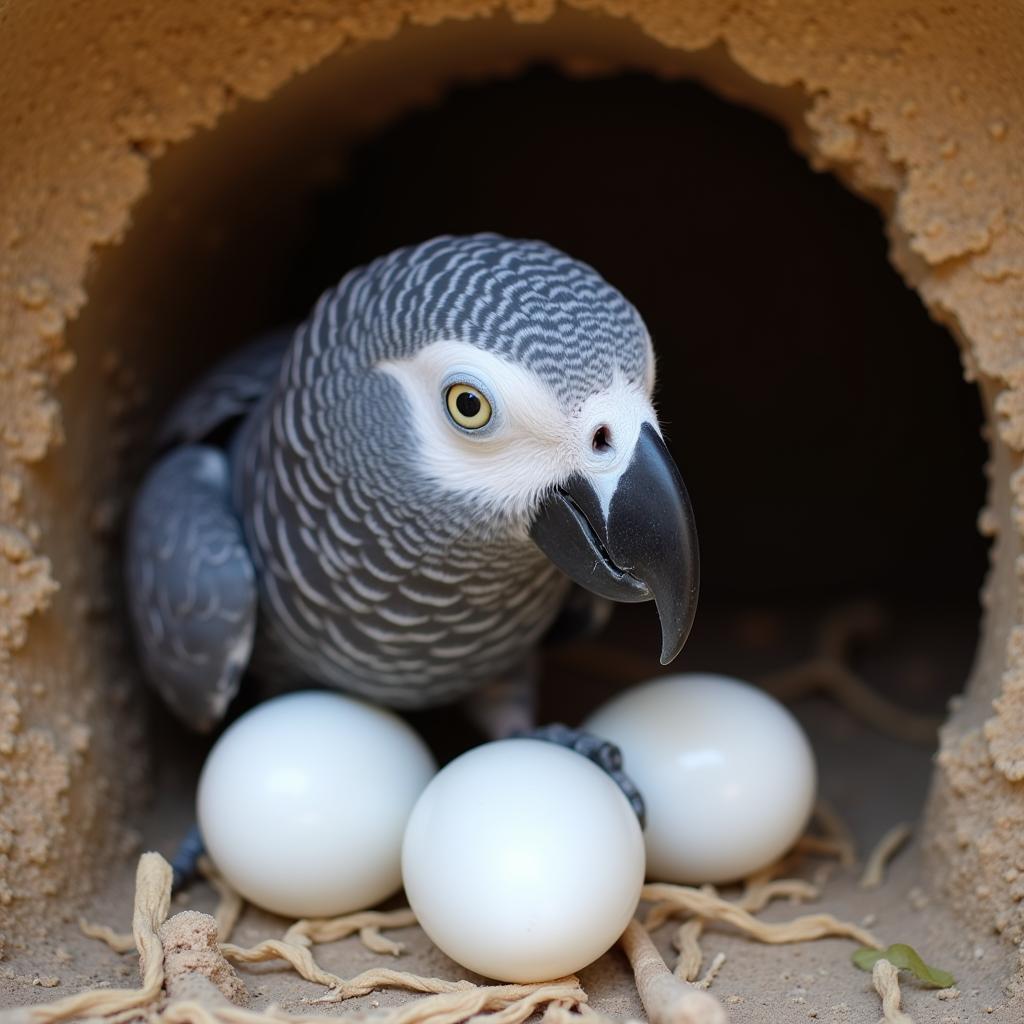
[
  {"x": 622, "y": 410},
  {"x": 533, "y": 441}
]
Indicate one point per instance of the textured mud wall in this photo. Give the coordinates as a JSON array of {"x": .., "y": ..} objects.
[{"x": 919, "y": 106}]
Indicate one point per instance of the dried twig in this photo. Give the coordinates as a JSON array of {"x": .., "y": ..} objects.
[
  {"x": 759, "y": 890},
  {"x": 711, "y": 973},
  {"x": 885, "y": 978},
  {"x": 821, "y": 675},
  {"x": 885, "y": 849},
  {"x": 152, "y": 901},
  {"x": 714, "y": 908},
  {"x": 119, "y": 942},
  {"x": 836, "y": 831},
  {"x": 666, "y": 999},
  {"x": 758, "y": 894},
  {"x": 301, "y": 960},
  {"x": 368, "y": 924},
  {"x": 229, "y": 904},
  {"x": 687, "y": 941},
  {"x": 446, "y": 1002},
  {"x": 842, "y": 627}
]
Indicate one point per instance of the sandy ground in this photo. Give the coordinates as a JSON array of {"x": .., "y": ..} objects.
[{"x": 872, "y": 780}]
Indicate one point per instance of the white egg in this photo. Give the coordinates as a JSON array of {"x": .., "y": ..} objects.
[
  {"x": 303, "y": 802},
  {"x": 726, "y": 771},
  {"x": 523, "y": 861}
]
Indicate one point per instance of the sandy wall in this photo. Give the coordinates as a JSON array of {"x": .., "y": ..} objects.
[{"x": 919, "y": 106}]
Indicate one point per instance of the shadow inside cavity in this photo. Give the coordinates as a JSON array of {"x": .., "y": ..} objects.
[{"x": 829, "y": 442}]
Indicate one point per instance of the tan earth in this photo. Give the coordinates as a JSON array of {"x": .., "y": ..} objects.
[{"x": 917, "y": 106}]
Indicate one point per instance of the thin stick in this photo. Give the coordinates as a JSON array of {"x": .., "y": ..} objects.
[
  {"x": 761, "y": 888},
  {"x": 666, "y": 999},
  {"x": 758, "y": 895},
  {"x": 119, "y": 942},
  {"x": 853, "y": 693},
  {"x": 691, "y": 956},
  {"x": 368, "y": 924},
  {"x": 837, "y": 830},
  {"x": 714, "y": 908},
  {"x": 152, "y": 901},
  {"x": 711, "y": 973},
  {"x": 885, "y": 978},
  {"x": 229, "y": 903},
  {"x": 888, "y": 845},
  {"x": 819, "y": 846},
  {"x": 843, "y": 626}
]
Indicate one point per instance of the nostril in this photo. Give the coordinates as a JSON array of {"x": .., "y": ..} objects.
[{"x": 602, "y": 439}]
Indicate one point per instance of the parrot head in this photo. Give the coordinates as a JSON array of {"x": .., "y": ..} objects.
[{"x": 527, "y": 383}]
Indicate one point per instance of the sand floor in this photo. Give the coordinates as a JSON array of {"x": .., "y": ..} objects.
[{"x": 872, "y": 780}]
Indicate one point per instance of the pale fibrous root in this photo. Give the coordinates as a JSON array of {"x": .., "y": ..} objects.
[
  {"x": 887, "y": 847},
  {"x": 759, "y": 890},
  {"x": 229, "y": 908},
  {"x": 688, "y": 900},
  {"x": 152, "y": 902},
  {"x": 886, "y": 980},
  {"x": 666, "y": 998},
  {"x": 229, "y": 903},
  {"x": 838, "y": 840},
  {"x": 444, "y": 1002},
  {"x": 367, "y": 924},
  {"x": 704, "y": 906},
  {"x": 119, "y": 942},
  {"x": 828, "y": 672}
]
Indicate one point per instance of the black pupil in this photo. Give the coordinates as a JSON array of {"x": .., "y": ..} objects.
[{"x": 468, "y": 404}]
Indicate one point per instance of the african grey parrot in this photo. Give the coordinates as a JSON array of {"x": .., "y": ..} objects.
[{"x": 392, "y": 499}]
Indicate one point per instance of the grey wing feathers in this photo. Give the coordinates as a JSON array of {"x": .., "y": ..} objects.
[
  {"x": 191, "y": 585},
  {"x": 227, "y": 392}
]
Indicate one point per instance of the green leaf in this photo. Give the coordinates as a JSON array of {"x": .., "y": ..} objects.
[{"x": 905, "y": 958}]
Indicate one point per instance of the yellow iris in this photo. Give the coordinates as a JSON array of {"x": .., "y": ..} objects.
[{"x": 468, "y": 407}]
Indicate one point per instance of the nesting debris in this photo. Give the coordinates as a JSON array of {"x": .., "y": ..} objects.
[
  {"x": 119, "y": 942},
  {"x": 826, "y": 672},
  {"x": 192, "y": 981},
  {"x": 759, "y": 891},
  {"x": 685, "y": 899},
  {"x": 687, "y": 943},
  {"x": 666, "y": 998},
  {"x": 838, "y": 839},
  {"x": 367, "y": 924},
  {"x": 886, "y": 980},
  {"x": 229, "y": 904},
  {"x": 187, "y": 978},
  {"x": 229, "y": 908},
  {"x": 194, "y": 966},
  {"x": 152, "y": 902},
  {"x": 884, "y": 851},
  {"x": 712, "y": 972}
]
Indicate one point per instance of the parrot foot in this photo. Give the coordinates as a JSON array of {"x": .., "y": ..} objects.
[
  {"x": 605, "y": 754},
  {"x": 185, "y": 862}
]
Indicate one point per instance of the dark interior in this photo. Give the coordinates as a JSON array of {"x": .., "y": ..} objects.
[
  {"x": 830, "y": 444},
  {"x": 819, "y": 417}
]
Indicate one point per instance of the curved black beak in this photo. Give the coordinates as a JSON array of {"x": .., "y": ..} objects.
[{"x": 645, "y": 547}]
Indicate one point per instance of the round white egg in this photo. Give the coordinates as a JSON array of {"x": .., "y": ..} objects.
[
  {"x": 303, "y": 802},
  {"x": 726, "y": 771},
  {"x": 523, "y": 861}
]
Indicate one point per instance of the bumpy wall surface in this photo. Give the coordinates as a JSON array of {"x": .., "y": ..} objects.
[{"x": 919, "y": 106}]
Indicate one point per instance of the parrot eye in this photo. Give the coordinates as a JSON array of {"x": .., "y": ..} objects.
[{"x": 467, "y": 406}]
